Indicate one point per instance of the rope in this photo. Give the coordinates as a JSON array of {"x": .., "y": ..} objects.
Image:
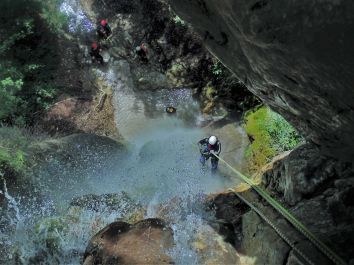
[
  {"x": 287, "y": 215},
  {"x": 275, "y": 228},
  {"x": 296, "y": 223}
]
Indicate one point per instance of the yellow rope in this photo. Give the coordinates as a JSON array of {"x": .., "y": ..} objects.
[{"x": 296, "y": 223}]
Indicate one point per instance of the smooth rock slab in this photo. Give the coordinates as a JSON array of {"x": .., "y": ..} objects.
[{"x": 121, "y": 243}]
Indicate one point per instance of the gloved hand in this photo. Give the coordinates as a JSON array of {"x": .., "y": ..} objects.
[{"x": 212, "y": 152}]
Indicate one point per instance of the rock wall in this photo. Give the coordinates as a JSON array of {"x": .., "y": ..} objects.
[
  {"x": 175, "y": 57},
  {"x": 296, "y": 56},
  {"x": 317, "y": 189}
]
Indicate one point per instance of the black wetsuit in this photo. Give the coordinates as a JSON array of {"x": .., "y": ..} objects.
[
  {"x": 96, "y": 54},
  {"x": 104, "y": 31},
  {"x": 142, "y": 53}
]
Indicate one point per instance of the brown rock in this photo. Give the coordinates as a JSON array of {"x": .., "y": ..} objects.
[{"x": 121, "y": 243}]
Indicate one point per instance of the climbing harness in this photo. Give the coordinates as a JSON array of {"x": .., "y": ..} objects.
[{"x": 287, "y": 215}]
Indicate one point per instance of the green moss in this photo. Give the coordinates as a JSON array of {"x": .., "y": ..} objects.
[
  {"x": 176, "y": 69},
  {"x": 50, "y": 232},
  {"x": 210, "y": 91},
  {"x": 270, "y": 134}
]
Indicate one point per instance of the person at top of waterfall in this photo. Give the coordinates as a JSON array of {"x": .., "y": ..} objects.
[
  {"x": 142, "y": 51},
  {"x": 209, "y": 147},
  {"x": 95, "y": 53},
  {"x": 103, "y": 29}
]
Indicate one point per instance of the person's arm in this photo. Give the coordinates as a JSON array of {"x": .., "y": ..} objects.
[
  {"x": 202, "y": 144},
  {"x": 203, "y": 141},
  {"x": 219, "y": 148},
  {"x": 109, "y": 30}
]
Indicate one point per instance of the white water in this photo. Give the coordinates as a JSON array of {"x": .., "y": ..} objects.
[{"x": 161, "y": 167}]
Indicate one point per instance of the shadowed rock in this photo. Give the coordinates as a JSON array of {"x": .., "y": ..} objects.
[{"x": 297, "y": 56}]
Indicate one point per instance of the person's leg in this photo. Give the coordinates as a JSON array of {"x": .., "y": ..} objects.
[
  {"x": 214, "y": 163},
  {"x": 100, "y": 34},
  {"x": 202, "y": 160},
  {"x": 99, "y": 58}
]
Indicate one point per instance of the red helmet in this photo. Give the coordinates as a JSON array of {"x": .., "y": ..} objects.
[
  {"x": 94, "y": 45},
  {"x": 103, "y": 22}
]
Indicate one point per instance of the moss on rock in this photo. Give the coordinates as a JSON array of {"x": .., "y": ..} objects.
[{"x": 269, "y": 134}]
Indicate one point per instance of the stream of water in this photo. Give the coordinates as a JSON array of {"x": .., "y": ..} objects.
[{"x": 161, "y": 166}]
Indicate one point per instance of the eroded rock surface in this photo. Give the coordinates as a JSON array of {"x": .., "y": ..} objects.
[
  {"x": 318, "y": 190},
  {"x": 296, "y": 56},
  {"x": 121, "y": 243},
  {"x": 175, "y": 57},
  {"x": 255, "y": 239}
]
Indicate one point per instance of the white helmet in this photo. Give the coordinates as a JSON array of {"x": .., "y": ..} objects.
[{"x": 212, "y": 140}]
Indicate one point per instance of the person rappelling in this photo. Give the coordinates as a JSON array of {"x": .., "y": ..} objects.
[
  {"x": 209, "y": 147},
  {"x": 142, "y": 52},
  {"x": 104, "y": 30},
  {"x": 95, "y": 53}
]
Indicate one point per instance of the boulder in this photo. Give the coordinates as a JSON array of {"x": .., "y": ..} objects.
[
  {"x": 78, "y": 147},
  {"x": 145, "y": 242}
]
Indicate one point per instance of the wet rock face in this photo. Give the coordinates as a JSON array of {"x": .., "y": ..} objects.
[
  {"x": 296, "y": 56},
  {"x": 175, "y": 55},
  {"x": 228, "y": 211},
  {"x": 318, "y": 188},
  {"x": 121, "y": 243}
]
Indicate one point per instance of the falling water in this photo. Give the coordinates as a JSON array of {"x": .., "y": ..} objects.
[{"x": 160, "y": 171}]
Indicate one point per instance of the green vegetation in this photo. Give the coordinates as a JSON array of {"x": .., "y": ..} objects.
[
  {"x": 270, "y": 134},
  {"x": 28, "y": 58},
  {"x": 13, "y": 144},
  {"x": 56, "y": 21},
  {"x": 217, "y": 69},
  {"x": 176, "y": 69},
  {"x": 49, "y": 233},
  {"x": 178, "y": 21}
]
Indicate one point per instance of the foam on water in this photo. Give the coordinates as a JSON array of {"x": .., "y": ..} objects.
[{"x": 161, "y": 170}]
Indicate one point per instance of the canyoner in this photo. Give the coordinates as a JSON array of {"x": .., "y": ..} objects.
[
  {"x": 97, "y": 166},
  {"x": 210, "y": 148}
]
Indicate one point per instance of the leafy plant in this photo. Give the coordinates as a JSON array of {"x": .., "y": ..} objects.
[
  {"x": 176, "y": 69},
  {"x": 217, "y": 69},
  {"x": 25, "y": 29},
  {"x": 28, "y": 58},
  {"x": 56, "y": 20},
  {"x": 8, "y": 98},
  {"x": 270, "y": 134},
  {"x": 178, "y": 20}
]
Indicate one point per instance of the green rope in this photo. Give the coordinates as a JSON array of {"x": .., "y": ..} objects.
[
  {"x": 276, "y": 229},
  {"x": 296, "y": 223},
  {"x": 284, "y": 212}
]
